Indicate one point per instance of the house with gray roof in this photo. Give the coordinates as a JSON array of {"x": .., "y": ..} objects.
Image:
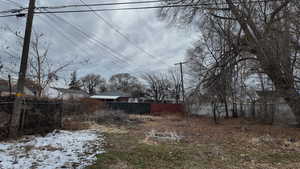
[
  {"x": 70, "y": 94},
  {"x": 112, "y": 96}
]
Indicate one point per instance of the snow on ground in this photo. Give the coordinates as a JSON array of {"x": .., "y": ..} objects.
[{"x": 59, "y": 149}]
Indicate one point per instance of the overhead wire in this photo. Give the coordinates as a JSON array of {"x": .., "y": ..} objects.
[
  {"x": 114, "y": 9},
  {"x": 119, "y": 32},
  {"x": 124, "y": 36},
  {"x": 12, "y": 2},
  {"x": 94, "y": 11},
  {"x": 99, "y": 4},
  {"x": 121, "y": 67},
  {"x": 78, "y": 5},
  {"x": 118, "y": 56},
  {"x": 86, "y": 51},
  {"x": 198, "y": 5}
]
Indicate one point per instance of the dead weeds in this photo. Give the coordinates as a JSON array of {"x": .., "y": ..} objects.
[{"x": 234, "y": 143}]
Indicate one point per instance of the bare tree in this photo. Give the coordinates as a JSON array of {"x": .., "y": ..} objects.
[
  {"x": 126, "y": 83},
  {"x": 265, "y": 32},
  {"x": 158, "y": 86},
  {"x": 41, "y": 69},
  {"x": 92, "y": 82},
  {"x": 75, "y": 83}
]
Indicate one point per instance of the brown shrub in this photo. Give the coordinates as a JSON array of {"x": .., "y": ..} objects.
[
  {"x": 73, "y": 124},
  {"x": 83, "y": 121},
  {"x": 91, "y": 105},
  {"x": 111, "y": 116},
  {"x": 84, "y": 106}
]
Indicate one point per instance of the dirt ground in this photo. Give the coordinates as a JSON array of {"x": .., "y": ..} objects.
[{"x": 173, "y": 142}]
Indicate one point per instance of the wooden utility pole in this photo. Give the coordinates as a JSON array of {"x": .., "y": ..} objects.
[
  {"x": 9, "y": 85},
  {"x": 15, "y": 119},
  {"x": 181, "y": 72}
]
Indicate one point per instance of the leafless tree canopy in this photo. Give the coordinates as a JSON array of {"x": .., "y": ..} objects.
[
  {"x": 92, "y": 83},
  {"x": 41, "y": 70},
  {"x": 126, "y": 83},
  {"x": 158, "y": 86},
  {"x": 246, "y": 33}
]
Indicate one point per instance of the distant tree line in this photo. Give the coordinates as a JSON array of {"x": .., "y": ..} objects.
[{"x": 159, "y": 87}]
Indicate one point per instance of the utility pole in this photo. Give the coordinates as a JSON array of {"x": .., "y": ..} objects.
[
  {"x": 9, "y": 85},
  {"x": 181, "y": 72},
  {"x": 15, "y": 119}
]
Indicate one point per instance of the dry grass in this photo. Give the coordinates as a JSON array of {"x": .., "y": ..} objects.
[
  {"x": 91, "y": 120},
  {"x": 234, "y": 143},
  {"x": 108, "y": 128},
  {"x": 71, "y": 124}
]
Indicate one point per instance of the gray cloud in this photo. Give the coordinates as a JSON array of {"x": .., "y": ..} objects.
[{"x": 167, "y": 44}]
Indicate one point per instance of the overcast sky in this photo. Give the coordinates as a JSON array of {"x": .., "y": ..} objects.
[{"x": 154, "y": 44}]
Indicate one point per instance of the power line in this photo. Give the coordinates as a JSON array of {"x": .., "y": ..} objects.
[
  {"x": 169, "y": 4},
  {"x": 61, "y": 31},
  {"x": 12, "y": 2},
  {"x": 75, "y": 27},
  {"x": 98, "y": 4},
  {"x": 119, "y": 9},
  {"x": 10, "y": 15},
  {"x": 118, "y": 31},
  {"x": 102, "y": 10},
  {"x": 135, "y": 8},
  {"x": 116, "y": 54},
  {"x": 147, "y": 71},
  {"x": 78, "y": 5},
  {"x": 87, "y": 38}
]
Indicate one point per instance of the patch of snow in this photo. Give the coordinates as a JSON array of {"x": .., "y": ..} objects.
[{"x": 59, "y": 149}]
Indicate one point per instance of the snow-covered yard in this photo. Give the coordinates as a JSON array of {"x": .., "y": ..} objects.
[{"x": 59, "y": 149}]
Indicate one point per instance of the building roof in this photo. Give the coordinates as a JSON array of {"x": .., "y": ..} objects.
[
  {"x": 105, "y": 97},
  {"x": 113, "y": 93},
  {"x": 70, "y": 91}
]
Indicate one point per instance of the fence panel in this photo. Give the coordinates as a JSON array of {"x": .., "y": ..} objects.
[
  {"x": 37, "y": 115},
  {"x": 167, "y": 108},
  {"x": 130, "y": 108}
]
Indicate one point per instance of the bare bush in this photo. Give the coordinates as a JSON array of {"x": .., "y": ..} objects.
[
  {"x": 78, "y": 122},
  {"x": 110, "y": 116}
]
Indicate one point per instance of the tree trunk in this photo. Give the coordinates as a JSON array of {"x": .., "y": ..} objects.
[
  {"x": 284, "y": 84},
  {"x": 214, "y": 105},
  {"x": 292, "y": 98},
  {"x": 253, "y": 110},
  {"x": 234, "y": 110},
  {"x": 226, "y": 108}
]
